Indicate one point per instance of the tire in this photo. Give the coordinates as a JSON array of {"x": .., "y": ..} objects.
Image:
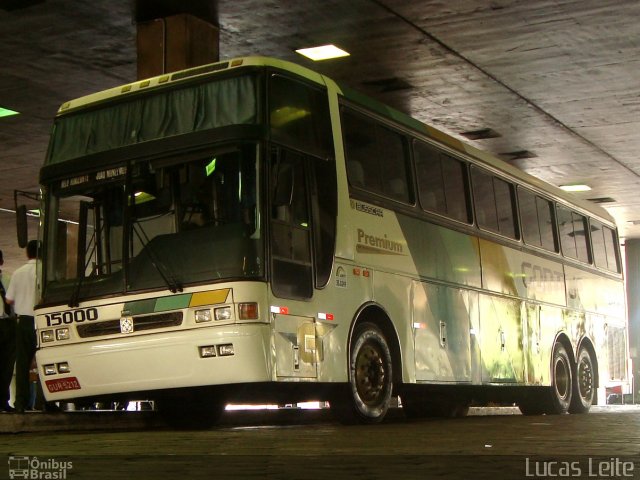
[
  {"x": 368, "y": 393},
  {"x": 561, "y": 382},
  {"x": 584, "y": 383},
  {"x": 556, "y": 399}
]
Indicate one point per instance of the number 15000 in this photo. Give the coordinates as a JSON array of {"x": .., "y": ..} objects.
[{"x": 71, "y": 316}]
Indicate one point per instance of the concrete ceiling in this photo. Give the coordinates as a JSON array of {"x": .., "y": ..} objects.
[{"x": 558, "y": 80}]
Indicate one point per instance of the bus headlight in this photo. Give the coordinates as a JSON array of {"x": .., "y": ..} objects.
[
  {"x": 49, "y": 369},
  {"x": 47, "y": 336},
  {"x": 223, "y": 313},
  {"x": 203, "y": 315},
  {"x": 62, "y": 334}
]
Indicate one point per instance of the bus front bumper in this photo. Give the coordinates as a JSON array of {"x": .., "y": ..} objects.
[{"x": 158, "y": 361}]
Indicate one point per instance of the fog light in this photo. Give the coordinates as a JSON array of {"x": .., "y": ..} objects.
[
  {"x": 62, "y": 334},
  {"x": 47, "y": 336},
  {"x": 223, "y": 313},
  {"x": 225, "y": 350},
  {"x": 203, "y": 315},
  {"x": 63, "y": 367},
  {"x": 49, "y": 369},
  {"x": 208, "y": 351},
  {"x": 248, "y": 311}
]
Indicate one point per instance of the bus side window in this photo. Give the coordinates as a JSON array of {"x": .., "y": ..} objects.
[
  {"x": 376, "y": 156},
  {"x": 603, "y": 241},
  {"x": 536, "y": 217},
  {"x": 441, "y": 182},
  {"x": 494, "y": 201},
  {"x": 573, "y": 234}
]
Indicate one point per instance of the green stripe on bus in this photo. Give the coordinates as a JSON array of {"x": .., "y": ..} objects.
[
  {"x": 140, "y": 307},
  {"x": 174, "y": 302}
]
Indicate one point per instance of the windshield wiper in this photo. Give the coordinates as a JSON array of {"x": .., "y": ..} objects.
[{"x": 169, "y": 279}]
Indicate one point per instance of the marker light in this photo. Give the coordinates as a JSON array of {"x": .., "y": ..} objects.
[{"x": 248, "y": 311}]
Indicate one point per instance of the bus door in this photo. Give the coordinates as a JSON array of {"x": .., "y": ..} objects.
[{"x": 302, "y": 236}]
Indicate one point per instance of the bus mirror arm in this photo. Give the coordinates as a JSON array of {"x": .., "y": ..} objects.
[
  {"x": 21, "y": 226},
  {"x": 22, "y": 229}
]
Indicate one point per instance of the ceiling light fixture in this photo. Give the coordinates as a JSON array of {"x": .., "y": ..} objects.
[
  {"x": 575, "y": 188},
  {"x": 324, "y": 52},
  {"x": 5, "y": 112}
]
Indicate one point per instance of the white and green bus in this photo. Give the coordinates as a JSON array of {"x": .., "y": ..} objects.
[{"x": 252, "y": 231}]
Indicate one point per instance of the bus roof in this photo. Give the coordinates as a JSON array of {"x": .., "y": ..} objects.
[{"x": 348, "y": 93}]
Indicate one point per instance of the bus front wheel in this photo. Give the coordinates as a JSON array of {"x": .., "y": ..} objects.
[
  {"x": 584, "y": 385},
  {"x": 368, "y": 394}
]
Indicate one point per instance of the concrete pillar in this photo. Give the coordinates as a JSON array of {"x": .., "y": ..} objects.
[
  {"x": 632, "y": 250},
  {"x": 174, "y": 43}
]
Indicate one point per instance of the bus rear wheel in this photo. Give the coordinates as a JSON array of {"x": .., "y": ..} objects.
[
  {"x": 584, "y": 383},
  {"x": 561, "y": 381},
  {"x": 368, "y": 394},
  {"x": 556, "y": 399}
]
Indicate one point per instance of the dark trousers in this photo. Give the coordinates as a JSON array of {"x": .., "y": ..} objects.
[
  {"x": 25, "y": 350},
  {"x": 7, "y": 358}
]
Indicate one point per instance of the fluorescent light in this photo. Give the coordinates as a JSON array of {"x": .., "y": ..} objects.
[
  {"x": 324, "y": 52},
  {"x": 575, "y": 188},
  {"x": 5, "y": 112}
]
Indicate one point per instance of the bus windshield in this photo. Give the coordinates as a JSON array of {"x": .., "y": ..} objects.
[{"x": 160, "y": 224}]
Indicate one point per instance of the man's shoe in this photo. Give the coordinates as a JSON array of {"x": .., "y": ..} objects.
[{"x": 8, "y": 409}]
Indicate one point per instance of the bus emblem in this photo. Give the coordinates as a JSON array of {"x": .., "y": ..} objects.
[{"x": 126, "y": 325}]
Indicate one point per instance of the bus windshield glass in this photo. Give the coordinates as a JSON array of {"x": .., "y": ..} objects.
[{"x": 159, "y": 224}]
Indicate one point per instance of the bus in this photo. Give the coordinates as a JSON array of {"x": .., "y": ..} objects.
[{"x": 252, "y": 231}]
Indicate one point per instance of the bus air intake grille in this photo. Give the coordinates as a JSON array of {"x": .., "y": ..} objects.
[{"x": 147, "y": 322}]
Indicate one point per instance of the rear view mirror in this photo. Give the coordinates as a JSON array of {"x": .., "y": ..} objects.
[{"x": 21, "y": 226}]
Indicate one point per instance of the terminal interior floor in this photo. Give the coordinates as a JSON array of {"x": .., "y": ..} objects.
[{"x": 490, "y": 443}]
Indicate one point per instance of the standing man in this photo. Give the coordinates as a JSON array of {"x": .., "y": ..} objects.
[
  {"x": 7, "y": 344},
  {"x": 22, "y": 295}
]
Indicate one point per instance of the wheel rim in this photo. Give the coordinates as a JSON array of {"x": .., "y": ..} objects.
[
  {"x": 370, "y": 374},
  {"x": 562, "y": 379},
  {"x": 585, "y": 379}
]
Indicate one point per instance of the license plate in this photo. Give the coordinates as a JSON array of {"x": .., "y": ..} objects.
[{"x": 62, "y": 384}]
